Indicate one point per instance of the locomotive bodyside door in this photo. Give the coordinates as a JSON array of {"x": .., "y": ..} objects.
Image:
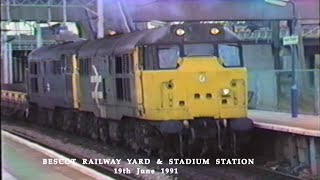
[{"x": 70, "y": 72}]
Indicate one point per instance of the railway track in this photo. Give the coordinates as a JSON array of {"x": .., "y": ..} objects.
[
  {"x": 105, "y": 169},
  {"x": 269, "y": 173},
  {"x": 185, "y": 172},
  {"x": 252, "y": 172}
]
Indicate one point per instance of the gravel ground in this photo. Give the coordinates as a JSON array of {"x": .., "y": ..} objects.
[{"x": 96, "y": 150}]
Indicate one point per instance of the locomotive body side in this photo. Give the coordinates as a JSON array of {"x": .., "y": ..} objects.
[{"x": 53, "y": 76}]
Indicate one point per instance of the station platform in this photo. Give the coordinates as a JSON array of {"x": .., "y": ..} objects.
[
  {"x": 19, "y": 161},
  {"x": 308, "y": 125}
]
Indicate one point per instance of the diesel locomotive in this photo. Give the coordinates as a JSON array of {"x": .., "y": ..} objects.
[{"x": 177, "y": 89}]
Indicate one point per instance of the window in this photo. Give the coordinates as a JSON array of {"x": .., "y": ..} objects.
[
  {"x": 85, "y": 66},
  {"x": 149, "y": 60},
  {"x": 168, "y": 56},
  {"x": 34, "y": 68},
  {"x": 198, "y": 50},
  {"x": 230, "y": 54}
]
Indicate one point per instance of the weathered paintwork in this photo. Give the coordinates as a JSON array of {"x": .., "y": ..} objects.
[
  {"x": 149, "y": 94},
  {"x": 171, "y": 94}
]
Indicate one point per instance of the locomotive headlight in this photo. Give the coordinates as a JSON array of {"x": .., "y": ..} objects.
[
  {"x": 180, "y": 32},
  {"x": 214, "y": 31},
  {"x": 112, "y": 33},
  {"x": 226, "y": 92}
]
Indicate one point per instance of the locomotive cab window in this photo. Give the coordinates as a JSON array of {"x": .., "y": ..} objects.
[
  {"x": 168, "y": 56},
  {"x": 231, "y": 55}
]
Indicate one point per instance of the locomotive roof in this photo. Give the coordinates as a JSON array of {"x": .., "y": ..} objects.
[
  {"x": 54, "y": 52},
  {"x": 119, "y": 44}
]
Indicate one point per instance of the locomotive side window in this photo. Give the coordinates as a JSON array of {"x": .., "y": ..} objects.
[
  {"x": 150, "y": 60},
  {"x": 168, "y": 57}
]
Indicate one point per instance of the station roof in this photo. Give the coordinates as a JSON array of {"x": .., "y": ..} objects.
[{"x": 163, "y": 10}]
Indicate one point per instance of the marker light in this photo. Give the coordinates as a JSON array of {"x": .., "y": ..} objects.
[
  {"x": 111, "y": 33},
  {"x": 180, "y": 32},
  {"x": 225, "y": 92},
  {"x": 214, "y": 31}
]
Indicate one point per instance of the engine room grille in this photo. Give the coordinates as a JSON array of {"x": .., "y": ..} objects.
[
  {"x": 122, "y": 64},
  {"x": 123, "y": 89},
  {"x": 85, "y": 66}
]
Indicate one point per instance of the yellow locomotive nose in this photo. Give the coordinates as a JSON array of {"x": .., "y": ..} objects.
[{"x": 200, "y": 87}]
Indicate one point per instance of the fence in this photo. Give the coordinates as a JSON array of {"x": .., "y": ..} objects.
[{"x": 270, "y": 90}]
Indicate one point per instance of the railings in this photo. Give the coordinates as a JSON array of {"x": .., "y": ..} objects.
[
  {"x": 307, "y": 32},
  {"x": 270, "y": 90},
  {"x": 29, "y": 44},
  {"x": 47, "y": 3}
]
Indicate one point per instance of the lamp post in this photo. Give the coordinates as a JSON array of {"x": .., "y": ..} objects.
[{"x": 293, "y": 47}]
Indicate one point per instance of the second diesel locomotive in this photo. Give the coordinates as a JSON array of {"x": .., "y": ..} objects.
[{"x": 177, "y": 89}]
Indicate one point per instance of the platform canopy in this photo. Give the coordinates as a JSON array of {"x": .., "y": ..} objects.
[
  {"x": 82, "y": 11},
  {"x": 168, "y": 10}
]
